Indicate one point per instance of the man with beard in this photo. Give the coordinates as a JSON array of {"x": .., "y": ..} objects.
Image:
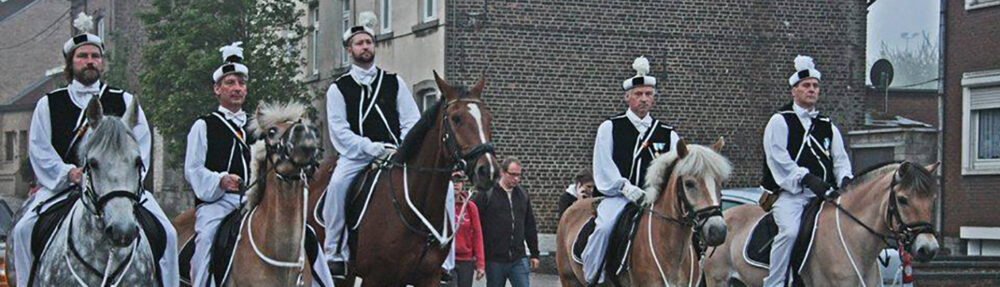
[
  {"x": 369, "y": 111},
  {"x": 57, "y": 129}
]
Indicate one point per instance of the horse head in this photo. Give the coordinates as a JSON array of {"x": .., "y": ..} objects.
[
  {"x": 292, "y": 141},
  {"x": 692, "y": 175},
  {"x": 910, "y": 209},
  {"x": 112, "y": 171},
  {"x": 466, "y": 132}
]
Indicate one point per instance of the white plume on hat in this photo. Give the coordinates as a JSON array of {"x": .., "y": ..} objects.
[
  {"x": 641, "y": 66},
  {"x": 367, "y": 19},
  {"x": 230, "y": 50},
  {"x": 804, "y": 68},
  {"x": 83, "y": 22}
]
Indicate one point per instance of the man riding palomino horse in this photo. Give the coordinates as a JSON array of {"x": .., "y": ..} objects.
[
  {"x": 804, "y": 151},
  {"x": 625, "y": 145},
  {"x": 218, "y": 164},
  {"x": 58, "y": 127}
]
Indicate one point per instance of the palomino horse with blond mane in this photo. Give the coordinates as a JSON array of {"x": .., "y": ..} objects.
[
  {"x": 271, "y": 247},
  {"x": 894, "y": 201},
  {"x": 684, "y": 187}
]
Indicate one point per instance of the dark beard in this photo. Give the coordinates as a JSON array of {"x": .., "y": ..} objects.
[
  {"x": 86, "y": 78},
  {"x": 365, "y": 58}
]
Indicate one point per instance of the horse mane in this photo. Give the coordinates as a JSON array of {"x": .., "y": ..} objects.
[
  {"x": 917, "y": 178},
  {"x": 428, "y": 120},
  {"x": 701, "y": 161},
  {"x": 267, "y": 115},
  {"x": 108, "y": 137}
]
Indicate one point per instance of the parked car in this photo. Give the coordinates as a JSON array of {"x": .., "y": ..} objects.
[{"x": 891, "y": 274}]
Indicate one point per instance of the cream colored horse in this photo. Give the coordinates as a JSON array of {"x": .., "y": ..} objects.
[
  {"x": 685, "y": 187},
  {"x": 844, "y": 252}
]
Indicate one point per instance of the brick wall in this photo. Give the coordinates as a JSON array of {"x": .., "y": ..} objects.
[
  {"x": 913, "y": 104},
  {"x": 971, "y": 44},
  {"x": 554, "y": 72}
]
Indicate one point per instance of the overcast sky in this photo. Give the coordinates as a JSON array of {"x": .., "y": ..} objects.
[{"x": 900, "y": 23}]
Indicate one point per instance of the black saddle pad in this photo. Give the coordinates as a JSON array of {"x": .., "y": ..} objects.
[
  {"x": 223, "y": 247},
  {"x": 616, "y": 256},
  {"x": 758, "y": 246}
]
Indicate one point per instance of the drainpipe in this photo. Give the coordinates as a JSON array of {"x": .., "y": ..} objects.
[{"x": 939, "y": 205}]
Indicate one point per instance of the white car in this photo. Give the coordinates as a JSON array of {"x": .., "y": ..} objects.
[{"x": 891, "y": 274}]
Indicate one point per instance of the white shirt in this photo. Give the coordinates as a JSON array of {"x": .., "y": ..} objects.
[
  {"x": 204, "y": 181},
  {"x": 50, "y": 170},
  {"x": 607, "y": 179},
  {"x": 787, "y": 173},
  {"x": 353, "y": 146}
]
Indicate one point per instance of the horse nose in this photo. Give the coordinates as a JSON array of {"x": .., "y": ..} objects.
[
  {"x": 121, "y": 234},
  {"x": 715, "y": 231},
  {"x": 925, "y": 253}
]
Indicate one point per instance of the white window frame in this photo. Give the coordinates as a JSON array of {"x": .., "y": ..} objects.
[
  {"x": 315, "y": 40},
  {"x": 975, "y": 84},
  {"x": 385, "y": 16},
  {"x": 344, "y": 60},
  {"x": 978, "y": 4},
  {"x": 101, "y": 31},
  {"x": 428, "y": 6},
  {"x": 428, "y": 98}
]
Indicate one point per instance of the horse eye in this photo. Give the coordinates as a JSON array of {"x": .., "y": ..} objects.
[
  {"x": 92, "y": 163},
  {"x": 688, "y": 184},
  {"x": 903, "y": 201},
  {"x": 272, "y": 131},
  {"x": 456, "y": 120},
  {"x": 138, "y": 161}
]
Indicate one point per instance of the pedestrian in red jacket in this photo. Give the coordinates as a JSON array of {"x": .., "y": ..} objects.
[{"x": 469, "y": 257}]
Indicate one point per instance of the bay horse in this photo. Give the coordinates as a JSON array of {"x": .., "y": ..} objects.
[
  {"x": 100, "y": 243},
  {"x": 270, "y": 249},
  {"x": 405, "y": 238},
  {"x": 685, "y": 188},
  {"x": 893, "y": 201}
]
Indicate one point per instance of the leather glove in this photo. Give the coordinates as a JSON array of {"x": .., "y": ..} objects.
[
  {"x": 816, "y": 185},
  {"x": 634, "y": 194},
  {"x": 845, "y": 181}
]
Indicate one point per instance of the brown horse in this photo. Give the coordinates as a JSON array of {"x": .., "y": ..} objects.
[
  {"x": 404, "y": 239},
  {"x": 892, "y": 201},
  {"x": 271, "y": 248},
  {"x": 685, "y": 187}
]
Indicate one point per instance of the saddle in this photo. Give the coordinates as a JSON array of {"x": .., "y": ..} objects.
[
  {"x": 757, "y": 249},
  {"x": 615, "y": 259},
  {"x": 224, "y": 248},
  {"x": 52, "y": 217}
]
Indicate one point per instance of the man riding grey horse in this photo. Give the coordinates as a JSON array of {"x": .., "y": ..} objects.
[
  {"x": 804, "y": 151},
  {"x": 57, "y": 129},
  {"x": 625, "y": 145}
]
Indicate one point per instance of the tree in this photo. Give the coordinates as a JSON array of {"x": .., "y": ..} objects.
[
  {"x": 914, "y": 68},
  {"x": 183, "y": 51}
]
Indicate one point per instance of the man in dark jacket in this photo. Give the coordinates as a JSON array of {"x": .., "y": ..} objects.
[{"x": 508, "y": 223}]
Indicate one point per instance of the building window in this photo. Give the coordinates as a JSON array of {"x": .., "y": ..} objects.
[
  {"x": 427, "y": 98},
  {"x": 22, "y": 147},
  {"x": 315, "y": 41},
  {"x": 9, "y": 138},
  {"x": 981, "y": 122},
  {"x": 976, "y": 4},
  {"x": 386, "y": 19},
  {"x": 429, "y": 11},
  {"x": 101, "y": 30},
  {"x": 344, "y": 61}
]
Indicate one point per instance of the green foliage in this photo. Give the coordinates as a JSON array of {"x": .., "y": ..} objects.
[{"x": 185, "y": 37}]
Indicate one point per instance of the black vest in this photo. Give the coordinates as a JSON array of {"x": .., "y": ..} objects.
[
  {"x": 633, "y": 154},
  {"x": 226, "y": 152},
  {"x": 64, "y": 117},
  {"x": 816, "y": 153},
  {"x": 371, "y": 109}
]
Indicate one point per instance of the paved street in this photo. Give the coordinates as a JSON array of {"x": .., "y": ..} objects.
[{"x": 537, "y": 279}]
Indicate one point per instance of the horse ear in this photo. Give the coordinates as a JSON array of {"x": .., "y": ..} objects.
[
  {"x": 478, "y": 89},
  {"x": 94, "y": 111},
  {"x": 903, "y": 171},
  {"x": 717, "y": 146},
  {"x": 931, "y": 168},
  {"x": 682, "y": 149},
  {"x": 131, "y": 118},
  {"x": 443, "y": 86}
]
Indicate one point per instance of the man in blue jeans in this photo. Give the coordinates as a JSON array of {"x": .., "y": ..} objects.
[{"x": 508, "y": 223}]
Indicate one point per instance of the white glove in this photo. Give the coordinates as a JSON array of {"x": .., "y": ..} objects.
[
  {"x": 375, "y": 149},
  {"x": 635, "y": 194}
]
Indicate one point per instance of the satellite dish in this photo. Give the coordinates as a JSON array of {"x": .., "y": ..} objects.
[{"x": 881, "y": 74}]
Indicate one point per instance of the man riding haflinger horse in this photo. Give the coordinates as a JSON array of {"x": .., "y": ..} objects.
[
  {"x": 623, "y": 150},
  {"x": 58, "y": 129},
  {"x": 219, "y": 166}
]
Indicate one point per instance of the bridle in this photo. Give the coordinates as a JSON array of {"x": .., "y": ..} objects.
[
  {"x": 284, "y": 148},
  {"x": 460, "y": 157},
  {"x": 692, "y": 217},
  {"x": 95, "y": 203}
]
